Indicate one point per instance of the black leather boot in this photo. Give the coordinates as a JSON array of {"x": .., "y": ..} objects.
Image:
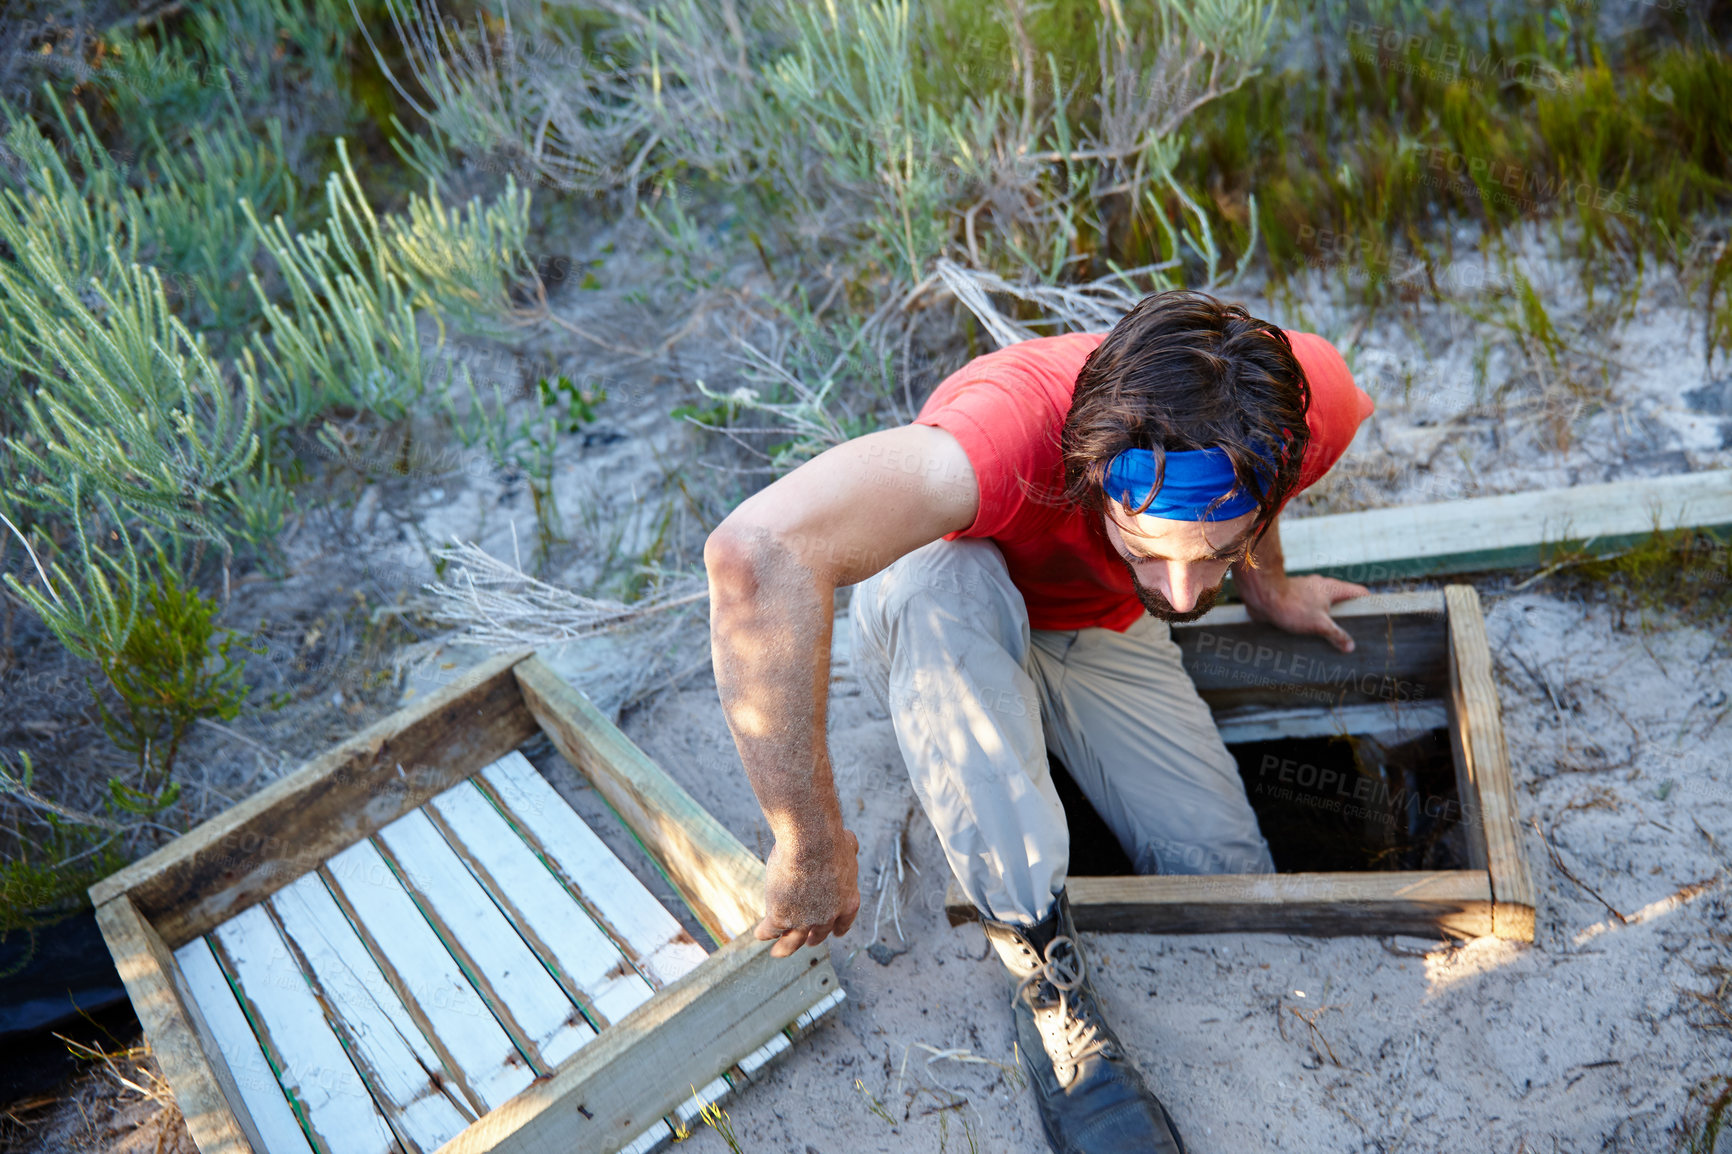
[{"x": 1092, "y": 1100}]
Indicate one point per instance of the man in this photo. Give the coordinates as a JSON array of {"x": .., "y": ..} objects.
[{"x": 1017, "y": 553}]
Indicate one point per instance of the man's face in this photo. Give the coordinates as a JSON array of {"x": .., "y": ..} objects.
[{"x": 1177, "y": 567}]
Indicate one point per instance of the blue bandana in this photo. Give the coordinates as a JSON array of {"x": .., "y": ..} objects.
[{"x": 1193, "y": 481}]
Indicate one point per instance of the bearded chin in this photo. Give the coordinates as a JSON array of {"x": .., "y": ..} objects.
[{"x": 1162, "y": 609}]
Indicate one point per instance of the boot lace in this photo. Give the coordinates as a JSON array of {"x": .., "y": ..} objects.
[{"x": 1077, "y": 1032}]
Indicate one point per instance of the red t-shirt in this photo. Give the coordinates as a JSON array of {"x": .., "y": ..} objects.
[{"x": 1007, "y": 408}]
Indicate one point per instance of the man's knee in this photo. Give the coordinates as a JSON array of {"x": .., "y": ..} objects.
[
  {"x": 958, "y": 576},
  {"x": 943, "y": 571}
]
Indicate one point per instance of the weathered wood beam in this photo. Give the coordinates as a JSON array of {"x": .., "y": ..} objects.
[
  {"x": 1512, "y": 531},
  {"x": 179, "y": 1037},
  {"x": 1452, "y": 901},
  {"x": 1400, "y": 656},
  {"x": 1483, "y": 758},
  {"x": 645, "y": 1065},
  {"x": 254, "y": 848}
]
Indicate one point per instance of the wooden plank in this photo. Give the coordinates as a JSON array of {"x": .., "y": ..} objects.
[
  {"x": 1242, "y": 726},
  {"x": 652, "y": 938},
  {"x": 546, "y": 1024},
  {"x": 719, "y": 878},
  {"x": 406, "y": 1075},
  {"x": 1371, "y": 605},
  {"x": 235, "y": 1047},
  {"x": 256, "y": 847},
  {"x": 649, "y": 1140},
  {"x": 645, "y": 1066},
  {"x": 1400, "y": 656},
  {"x": 688, "y": 1111},
  {"x": 180, "y": 1039},
  {"x": 580, "y": 955},
  {"x": 433, "y": 988},
  {"x": 746, "y": 1069},
  {"x": 764, "y": 1055},
  {"x": 817, "y": 1010},
  {"x": 1473, "y": 825},
  {"x": 1453, "y": 901},
  {"x": 339, "y": 1114},
  {"x": 1514, "y": 530},
  {"x": 1485, "y": 756}
]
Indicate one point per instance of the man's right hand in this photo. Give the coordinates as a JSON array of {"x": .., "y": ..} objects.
[
  {"x": 810, "y": 894},
  {"x": 775, "y": 565}
]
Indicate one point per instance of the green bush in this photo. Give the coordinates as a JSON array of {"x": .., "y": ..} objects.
[
  {"x": 175, "y": 667},
  {"x": 174, "y": 316}
]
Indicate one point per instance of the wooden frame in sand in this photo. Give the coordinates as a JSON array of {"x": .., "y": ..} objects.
[
  {"x": 634, "y": 1072},
  {"x": 1424, "y": 652}
]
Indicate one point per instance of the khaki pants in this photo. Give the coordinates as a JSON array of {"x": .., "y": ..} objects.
[{"x": 977, "y": 699}]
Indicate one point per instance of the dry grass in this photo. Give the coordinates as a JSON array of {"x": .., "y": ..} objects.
[{"x": 117, "y": 1104}]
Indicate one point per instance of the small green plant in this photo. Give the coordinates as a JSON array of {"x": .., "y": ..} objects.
[
  {"x": 578, "y": 402},
  {"x": 176, "y": 666},
  {"x": 968, "y": 1134},
  {"x": 346, "y": 335},
  {"x": 1683, "y": 571},
  {"x": 872, "y": 1102},
  {"x": 562, "y": 407},
  {"x": 90, "y": 614}
]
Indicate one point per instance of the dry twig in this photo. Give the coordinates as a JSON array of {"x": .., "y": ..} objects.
[
  {"x": 1310, "y": 1020},
  {"x": 1552, "y": 852}
]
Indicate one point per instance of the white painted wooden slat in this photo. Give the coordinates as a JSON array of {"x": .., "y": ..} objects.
[
  {"x": 257, "y": 1082},
  {"x": 650, "y": 1139},
  {"x": 548, "y": 1024},
  {"x": 406, "y": 1075},
  {"x": 651, "y": 937},
  {"x": 340, "y": 1114},
  {"x": 585, "y": 960},
  {"x": 688, "y": 1111},
  {"x": 763, "y": 1055},
  {"x": 433, "y": 986},
  {"x": 829, "y": 1002},
  {"x": 1264, "y": 724}
]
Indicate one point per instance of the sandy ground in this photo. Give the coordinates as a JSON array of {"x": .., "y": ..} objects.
[
  {"x": 1581, "y": 1042},
  {"x": 1590, "y": 1039}
]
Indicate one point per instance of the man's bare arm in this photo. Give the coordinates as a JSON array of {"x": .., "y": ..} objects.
[
  {"x": 774, "y": 566},
  {"x": 1295, "y": 604}
]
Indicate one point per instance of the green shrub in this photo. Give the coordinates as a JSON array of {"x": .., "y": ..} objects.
[
  {"x": 172, "y": 318},
  {"x": 175, "y": 667}
]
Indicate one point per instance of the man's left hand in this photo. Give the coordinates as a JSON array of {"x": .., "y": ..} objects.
[{"x": 1301, "y": 605}]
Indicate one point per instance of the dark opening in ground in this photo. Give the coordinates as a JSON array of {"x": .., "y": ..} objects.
[
  {"x": 1325, "y": 804},
  {"x": 1356, "y": 802}
]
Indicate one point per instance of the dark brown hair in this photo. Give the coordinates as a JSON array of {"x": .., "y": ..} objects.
[{"x": 1185, "y": 371}]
